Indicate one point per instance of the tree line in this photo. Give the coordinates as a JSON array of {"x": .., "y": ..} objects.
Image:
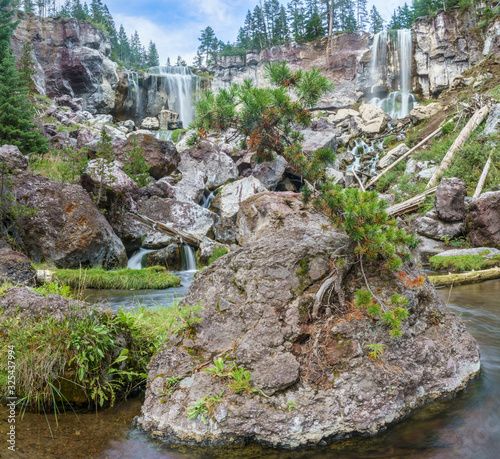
[
  {"x": 126, "y": 51},
  {"x": 272, "y": 23}
]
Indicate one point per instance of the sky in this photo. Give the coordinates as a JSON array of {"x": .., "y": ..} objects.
[{"x": 175, "y": 25}]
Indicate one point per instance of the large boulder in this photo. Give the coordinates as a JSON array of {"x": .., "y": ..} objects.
[
  {"x": 161, "y": 156},
  {"x": 431, "y": 226},
  {"x": 191, "y": 187},
  {"x": 424, "y": 112},
  {"x": 310, "y": 378},
  {"x": 228, "y": 201},
  {"x": 450, "y": 200},
  {"x": 213, "y": 160},
  {"x": 181, "y": 215},
  {"x": 169, "y": 256},
  {"x": 66, "y": 228},
  {"x": 392, "y": 155},
  {"x": 270, "y": 173},
  {"x": 373, "y": 119},
  {"x": 483, "y": 220},
  {"x": 16, "y": 268}
]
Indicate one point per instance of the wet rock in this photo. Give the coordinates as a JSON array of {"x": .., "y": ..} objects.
[
  {"x": 182, "y": 215},
  {"x": 256, "y": 312},
  {"x": 450, "y": 200},
  {"x": 483, "y": 220},
  {"x": 16, "y": 268},
  {"x": 67, "y": 228},
  {"x": 156, "y": 241},
  {"x": 213, "y": 160},
  {"x": 165, "y": 117},
  {"x": 169, "y": 256},
  {"x": 12, "y": 159}
]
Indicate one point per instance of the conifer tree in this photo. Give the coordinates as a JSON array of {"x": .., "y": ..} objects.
[
  {"x": 208, "y": 41},
  {"x": 376, "y": 21},
  {"x": 153, "y": 56},
  {"x": 361, "y": 15},
  {"x": 27, "y": 71},
  {"x": 17, "y": 121}
]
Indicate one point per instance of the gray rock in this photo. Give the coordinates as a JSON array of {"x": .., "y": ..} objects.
[
  {"x": 424, "y": 112},
  {"x": 191, "y": 187},
  {"x": 207, "y": 249},
  {"x": 427, "y": 248},
  {"x": 392, "y": 155},
  {"x": 486, "y": 252},
  {"x": 450, "y": 200},
  {"x": 437, "y": 229},
  {"x": 169, "y": 256},
  {"x": 16, "y": 268},
  {"x": 155, "y": 241},
  {"x": 13, "y": 160},
  {"x": 265, "y": 325},
  {"x": 493, "y": 121},
  {"x": 270, "y": 173},
  {"x": 150, "y": 123}
]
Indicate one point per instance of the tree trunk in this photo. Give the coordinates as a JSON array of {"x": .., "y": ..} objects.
[
  {"x": 482, "y": 179},
  {"x": 410, "y": 204},
  {"x": 469, "y": 128},
  {"x": 472, "y": 277}
]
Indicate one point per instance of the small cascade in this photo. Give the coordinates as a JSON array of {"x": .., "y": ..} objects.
[
  {"x": 134, "y": 92},
  {"x": 393, "y": 51},
  {"x": 164, "y": 135},
  {"x": 181, "y": 85},
  {"x": 366, "y": 157},
  {"x": 135, "y": 262},
  {"x": 188, "y": 258},
  {"x": 206, "y": 200}
]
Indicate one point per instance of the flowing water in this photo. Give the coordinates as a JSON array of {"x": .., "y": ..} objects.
[
  {"x": 137, "y": 260},
  {"x": 465, "y": 426},
  {"x": 181, "y": 86},
  {"x": 393, "y": 50},
  {"x": 188, "y": 258}
]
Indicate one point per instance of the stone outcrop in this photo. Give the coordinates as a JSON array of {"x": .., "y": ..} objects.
[
  {"x": 339, "y": 63},
  {"x": 493, "y": 121},
  {"x": 16, "y": 268},
  {"x": 310, "y": 380},
  {"x": 66, "y": 228},
  {"x": 483, "y": 220},
  {"x": 430, "y": 226},
  {"x": 71, "y": 58},
  {"x": 445, "y": 46},
  {"x": 12, "y": 159}
]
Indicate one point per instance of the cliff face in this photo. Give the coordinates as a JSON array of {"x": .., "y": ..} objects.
[
  {"x": 447, "y": 45},
  {"x": 71, "y": 57},
  {"x": 339, "y": 62}
]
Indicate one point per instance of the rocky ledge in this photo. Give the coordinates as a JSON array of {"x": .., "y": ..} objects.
[{"x": 311, "y": 376}]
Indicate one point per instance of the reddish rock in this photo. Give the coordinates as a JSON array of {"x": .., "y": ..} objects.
[
  {"x": 450, "y": 200},
  {"x": 483, "y": 220}
]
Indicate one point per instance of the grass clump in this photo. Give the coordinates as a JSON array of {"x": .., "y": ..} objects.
[
  {"x": 218, "y": 252},
  {"x": 177, "y": 135},
  {"x": 156, "y": 277},
  {"x": 390, "y": 141},
  {"x": 460, "y": 263}
]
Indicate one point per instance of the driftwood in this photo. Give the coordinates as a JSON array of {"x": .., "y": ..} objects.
[
  {"x": 472, "y": 277},
  {"x": 401, "y": 158},
  {"x": 359, "y": 180},
  {"x": 469, "y": 128},
  {"x": 482, "y": 179},
  {"x": 181, "y": 235},
  {"x": 410, "y": 204}
]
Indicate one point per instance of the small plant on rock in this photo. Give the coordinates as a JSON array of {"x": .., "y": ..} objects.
[{"x": 376, "y": 350}]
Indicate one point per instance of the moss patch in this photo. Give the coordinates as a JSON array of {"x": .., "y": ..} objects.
[{"x": 462, "y": 263}]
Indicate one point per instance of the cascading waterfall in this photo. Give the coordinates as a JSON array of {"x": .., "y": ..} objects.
[
  {"x": 365, "y": 157},
  {"x": 181, "y": 85},
  {"x": 206, "y": 200},
  {"x": 134, "y": 92},
  {"x": 135, "y": 262},
  {"x": 397, "y": 104},
  {"x": 188, "y": 258}
]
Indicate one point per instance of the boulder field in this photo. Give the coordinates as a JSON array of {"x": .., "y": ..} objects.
[{"x": 310, "y": 375}]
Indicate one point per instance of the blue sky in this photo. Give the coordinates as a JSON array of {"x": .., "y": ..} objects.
[{"x": 175, "y": 25}]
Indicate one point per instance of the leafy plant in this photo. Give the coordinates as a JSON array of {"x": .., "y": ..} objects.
[
  {"x": 291, "y": 405},
  {"x": 376, "y": 350},
  {"x": 53, "y": 288}
]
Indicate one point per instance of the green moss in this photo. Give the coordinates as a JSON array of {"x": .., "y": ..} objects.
[
  {"x": 390, "y": 141},
  {"x": 177, "y": 135},
  {"x": 461, "y": 263},
  {"x": 304, "y": 268},
  {"x": 155, "y": 277},
  {"x": 217, "y": 253}
]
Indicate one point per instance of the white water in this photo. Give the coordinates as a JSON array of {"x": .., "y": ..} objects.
[
  {"x": 361, "y": 149},
  {"x": 181, "y": 86},
  {"x": 136, "y": 261},
  {"x": 164, "y": 135},
  {"x": 206, "y": 200},
  {"x": 188, "y": 258},
  {"x": 397, "y": 104},
  {"x": 134, "y": 93}
]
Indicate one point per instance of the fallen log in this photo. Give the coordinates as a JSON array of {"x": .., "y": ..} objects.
[
  {"x": 359, "y": 180},
  {"x": 482, "y": 179},
  {"x": 401, "y": 158},
  {"x": 469, "y": 128},
  {"x": 472, "y": 277},
  {"x": 410, "y": 204},
  {"x": 181, "y": 235}
]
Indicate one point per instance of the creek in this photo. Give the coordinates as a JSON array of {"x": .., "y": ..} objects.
[{"x": 467, "y": 425}]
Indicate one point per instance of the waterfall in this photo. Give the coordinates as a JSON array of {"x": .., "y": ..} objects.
[
  {"x": 206, "y": 200},
  {"x": 393, "y": 50},
  {"x": 136, "y": 261},
  {"x": 133, "y": 91},
  {"x": 164, "y": 135},
  {"x": 188, "y": 258},
  {"x": 365, "y": 157},
  {"x": 180, "y": 85}
]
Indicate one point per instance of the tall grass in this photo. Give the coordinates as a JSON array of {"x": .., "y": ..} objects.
[{"x": 155, "y": 277}]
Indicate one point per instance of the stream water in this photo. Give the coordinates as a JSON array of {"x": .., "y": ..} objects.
[{"x": 465, "y": 426}]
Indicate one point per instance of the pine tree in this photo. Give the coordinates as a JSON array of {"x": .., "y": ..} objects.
[
  {"x": 208, "y": 41},
  {"x": 347, "y": 17},
  {"x": 314, "y": 24},
  {"x": 153, "y": 56},
  {"x": 296, "y": 19},
  {"x": 361, "y": 15},
  {"x": 17, "y": 123},
  {"x": 26, "y": 68},
  {"x": 123, "y": 46},
  {"x": 198, "y": 60},
  {"x": 376, "y": 21}
]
